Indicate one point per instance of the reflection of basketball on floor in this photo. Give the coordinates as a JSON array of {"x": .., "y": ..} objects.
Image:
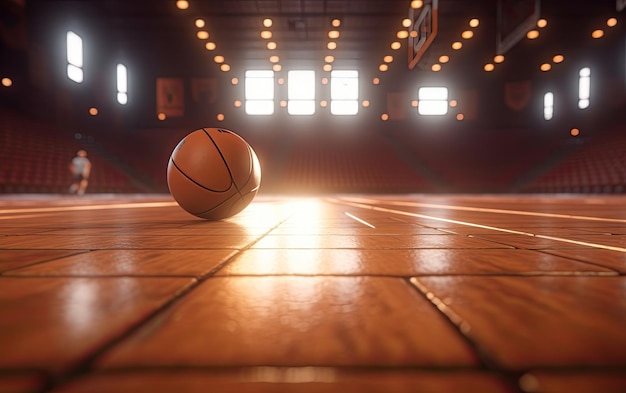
[{"x": 213, "y": 173}]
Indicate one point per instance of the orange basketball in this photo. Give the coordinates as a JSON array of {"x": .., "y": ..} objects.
[{"x": 213, "y": 173}]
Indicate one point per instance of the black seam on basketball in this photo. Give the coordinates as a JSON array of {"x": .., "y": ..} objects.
[
  {"x": 232, "y": 180},
  {"x": 196, "y": 183},
  {"x": 216, "y": 206},
  {"x": 251, "y": 174}
]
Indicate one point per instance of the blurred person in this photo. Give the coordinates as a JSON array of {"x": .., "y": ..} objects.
[{"x": 80, "y": 168}]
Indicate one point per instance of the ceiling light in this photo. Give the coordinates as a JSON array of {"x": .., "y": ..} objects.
[
  {"x": 234, "y": 81},
  {"x": 457, "y": 45},
  {"x": 327, "y": 67},
  {"x": 336, "y": 22},
  {"x": 267, "y": 22},
  {"x": 444, "y": 59},
  {"x": 329, "y": 59},
  {"x": 545, "y": 67},
  {"x": 541, "y": 23},
  {"x": 376, "y": 81},
  {"x": 402, "y": 34},
  {"x": 266, "y": 34},
  {"x": 225, "y": 67},
  {"x": 474, "y": 22},
  {"x": 331, "y": 45},
  {"x": 498, "y": 59},
  {"x": 182, "y": 4},
  {"x": 203, "y": 35},
  {"x": 200, "y": 23},
  {"x": 274, "y": 59},
  {"x": 388, "y": 59},
  {"x": 415, "y": 4},
  {"x": 558, "y": 58},
  {"x": 271, "y": 45},
  {"x": 365, "y": 103},
  {"x": 611, "y": 22},
  {"x": 384, "y": 117},
  {"x": 218, "y": 59},
  {"x": 467, "y": 34},
  {"x": 436, "y": 67},
  {"x": 597, "y": 33},
  {"x": 531, "y": 35},
  {"x": 383, "y": 67},
  {"x": 277, "y": 67},
  {"x": 210, "y": 45},
  {"x": 489, "y": 67},
  {"x": 334, "y": 34},
  {"x": 395, "y": 45},
  {"x": 406, "y": 22}
]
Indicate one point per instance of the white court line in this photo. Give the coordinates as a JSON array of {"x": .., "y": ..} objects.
[
  {"x": 359, "y": 220},
  {"x": 485, "y": 210},
  {"x": 559, "y": 239},
  {"x": 90, "y": 207}
]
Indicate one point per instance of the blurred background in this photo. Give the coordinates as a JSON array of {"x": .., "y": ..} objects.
[{"x": 335, "y": 96}]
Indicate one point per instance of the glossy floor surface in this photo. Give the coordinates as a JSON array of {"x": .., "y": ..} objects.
[{"x": 343, "y": 293}]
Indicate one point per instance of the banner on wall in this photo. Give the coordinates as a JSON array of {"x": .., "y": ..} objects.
[
  {"x": 517, "y": 95},
  {"x": 170, "y": 96},
  {"x": 397, "y": 105},
  {"x": 204, "y": 90}
]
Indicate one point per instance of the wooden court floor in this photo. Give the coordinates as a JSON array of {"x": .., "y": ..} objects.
[{"x": 345, "y": 293}]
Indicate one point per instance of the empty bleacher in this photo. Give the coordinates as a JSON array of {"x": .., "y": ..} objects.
[{"x": 597, "y": 165}]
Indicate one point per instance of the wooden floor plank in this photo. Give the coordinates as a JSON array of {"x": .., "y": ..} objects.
[
  {"x": 297, "y": 321},
  {"x": 96, "y": 291},
  {"x": 524, "y": 322}
]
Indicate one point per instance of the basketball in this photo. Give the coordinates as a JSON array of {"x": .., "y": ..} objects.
[{"x": 213, "y": 173}]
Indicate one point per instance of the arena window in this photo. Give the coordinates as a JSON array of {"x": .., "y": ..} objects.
[
  {"x": 548, "y": 105},
  {"x": 122, "y": 84},
  {"x": 344, "y": 92},
  {"x": 584, "y": 87},
  {"x": 259, "y": 91},
  {"x": 74, "y": 44},
  {"x": 301, "y": 92},
  {"x": 433, "y": 101}
]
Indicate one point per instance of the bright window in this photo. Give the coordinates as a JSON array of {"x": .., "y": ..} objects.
[
  {"x": 433, "y": 101},
  {"x": 344, "y": 92},
  {"x": 301, "y": 92},
  {"x": 122, "y": 84},
  {"x": 74, "y": 46},
  {"x": 548, "y": 105},
  {"x": 584, "y": 87},
  {"x": 259, "y": 90}
]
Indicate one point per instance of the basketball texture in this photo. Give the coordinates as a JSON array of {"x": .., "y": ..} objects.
[{"x": 213, "y": 173}]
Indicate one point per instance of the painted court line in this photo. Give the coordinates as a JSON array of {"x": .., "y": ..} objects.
[
  {"x": 359, "y": 220},
  {"x": 485, "y": 210},
  {"x": 559, "y": 239},
  {"x": 90, "y": 207}
]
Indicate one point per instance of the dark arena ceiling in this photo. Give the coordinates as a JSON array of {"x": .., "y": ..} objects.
[{"x": 159, "y": 31}]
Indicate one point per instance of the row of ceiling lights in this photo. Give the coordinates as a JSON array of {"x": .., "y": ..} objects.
[
  {"x": 397, "y": 44},
  {"x": 387, "y": 59}
]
